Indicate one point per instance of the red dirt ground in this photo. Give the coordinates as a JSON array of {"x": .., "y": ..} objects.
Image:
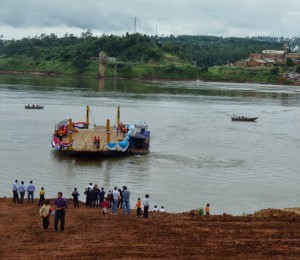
[{"x": 267, "y": 234}]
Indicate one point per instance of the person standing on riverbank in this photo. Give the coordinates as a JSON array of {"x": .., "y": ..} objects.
[
  {"x": 75, "y": 196},
  {"x": 138, "y": 206},
  {"x": 30, "y": 191},
  {"x": 126, "y": 200},
  {"x": 116, "y": 197},
  {"x": 101, "y": 196},
  {"x": 22, "y": 191},
  {"x": 15, "y": 188},
  {"x": 104, "y": 206},
  {"x": 42, "y": 196},
  {"x": 60, "y": 206},
  {"x": 146, "y": 205},
  {"x": 88, "y": 201},
  {"x": 207, "y": 209}
]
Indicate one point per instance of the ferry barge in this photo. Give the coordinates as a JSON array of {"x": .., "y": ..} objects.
[{"x": 79, "y": 139}]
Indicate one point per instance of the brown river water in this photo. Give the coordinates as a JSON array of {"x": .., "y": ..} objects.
[{"x": 198, "y": 155}]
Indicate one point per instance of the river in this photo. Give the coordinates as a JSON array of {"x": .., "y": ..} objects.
[{"x": 198, "y": 155}]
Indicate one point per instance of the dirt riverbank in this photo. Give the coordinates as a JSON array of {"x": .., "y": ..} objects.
[{"x": 266, "y": 234}]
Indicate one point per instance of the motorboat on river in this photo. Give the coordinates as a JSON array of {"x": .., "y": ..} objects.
[
  {"x": 80, "y": 139},
  {"x": 34, "y": 107},
  {"x": 243, "y": 118}
]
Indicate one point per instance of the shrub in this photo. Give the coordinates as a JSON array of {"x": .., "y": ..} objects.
[{"x": 201, "y": 211}]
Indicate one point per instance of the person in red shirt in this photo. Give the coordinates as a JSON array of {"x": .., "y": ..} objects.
[
  {"x": 95, "y": 141},
  {"x": 104, "y": 206},
  {"x": 138, "y": 206}
]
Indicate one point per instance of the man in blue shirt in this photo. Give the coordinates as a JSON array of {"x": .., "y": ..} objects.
[
  {"x": 126, "y": 200},
  {"x": 30, "y": 191},
  {"x": 15, "y": 188},
  {"x": 22, "y": 191},
  {"x": 60, "y": 206}
]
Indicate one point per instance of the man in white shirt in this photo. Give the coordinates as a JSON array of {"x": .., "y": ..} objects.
[
  {"x": 15, "y": 188},
  {"x": 162, "y": 209},
  {"x": 116, "y": 197},
  {"x": 90, "y": 186},
  {"x": 146, "y": 205}
]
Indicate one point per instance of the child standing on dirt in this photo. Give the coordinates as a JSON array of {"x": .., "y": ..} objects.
[
  {"x": 207, "y": 209},
  {"x": 138, "y": 206},
  {"x": 45, "y": 213},
  {"x": 104, "y": 206}
]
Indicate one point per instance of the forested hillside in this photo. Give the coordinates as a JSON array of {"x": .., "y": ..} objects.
[{"x": 170, "y": 56}]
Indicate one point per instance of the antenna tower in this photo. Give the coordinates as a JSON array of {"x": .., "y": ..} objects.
[{"x": 134, "y": 25}]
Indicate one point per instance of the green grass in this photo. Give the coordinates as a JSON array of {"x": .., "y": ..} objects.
[
  {"x": 240, "y": 74},
  {"x": 171, "y": 68}
]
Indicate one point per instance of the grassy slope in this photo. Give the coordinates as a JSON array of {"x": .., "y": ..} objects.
[{"x": 170, "y": 68}]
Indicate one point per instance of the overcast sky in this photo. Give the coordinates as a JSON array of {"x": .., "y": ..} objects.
[{"x": 241, "y": 18}]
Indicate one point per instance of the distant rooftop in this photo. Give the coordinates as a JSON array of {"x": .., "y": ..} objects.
[{"x": 272, "y": 52}]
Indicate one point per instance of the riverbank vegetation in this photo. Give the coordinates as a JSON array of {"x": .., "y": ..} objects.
[{"x": 140, "y": 56}]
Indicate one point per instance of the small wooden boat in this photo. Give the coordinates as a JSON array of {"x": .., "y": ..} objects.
[
  {"x": 34, "y": 107},
  {"x": 81, "y": 139},
  {"x": 243, "y": 118}
]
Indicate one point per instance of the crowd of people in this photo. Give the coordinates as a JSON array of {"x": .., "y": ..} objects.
[
  {"x": 114, "y": 199},
  {"x": 95, "y": 197}
]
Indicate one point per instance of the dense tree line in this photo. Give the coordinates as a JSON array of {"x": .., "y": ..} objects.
[{"x": 203, "y": 51}]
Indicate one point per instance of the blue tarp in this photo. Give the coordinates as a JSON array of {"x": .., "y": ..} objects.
[{"x": 119, "y": 146}]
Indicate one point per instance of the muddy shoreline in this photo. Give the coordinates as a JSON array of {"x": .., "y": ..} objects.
[{"x": 266, "y": 234}]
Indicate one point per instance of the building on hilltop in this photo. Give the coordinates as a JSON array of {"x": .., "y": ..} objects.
[{"x": 270, "y": 57}]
